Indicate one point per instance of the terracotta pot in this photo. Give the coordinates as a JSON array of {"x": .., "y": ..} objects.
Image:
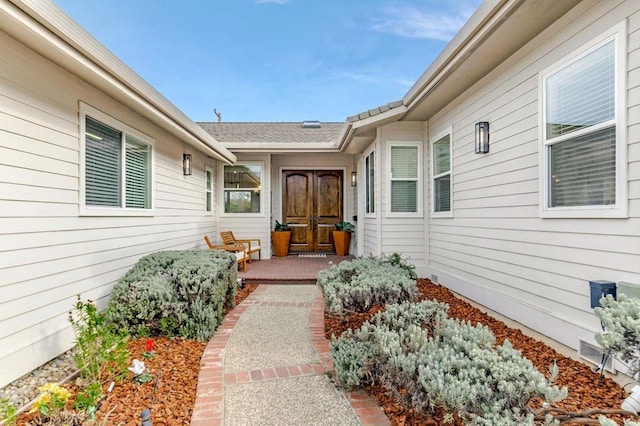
[
  {"x": 280, "y": 241},
  {"x": 341, "y": 241}
]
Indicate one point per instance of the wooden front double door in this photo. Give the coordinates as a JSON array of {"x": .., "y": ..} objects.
[{"x": 312, "y": 204}]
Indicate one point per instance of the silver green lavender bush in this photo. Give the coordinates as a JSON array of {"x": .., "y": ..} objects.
[
  {"x": 621, "y": 322},
  {"x": 428, "y": 360},
  {"x": 175, "y": 293},
  {"x": 361, "y": 283}
]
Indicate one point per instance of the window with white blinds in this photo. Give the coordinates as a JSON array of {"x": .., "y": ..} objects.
[
  {"x": 582, "y": 132},
  {"x": 137, "y": 174},
  {"x": 370, "y": 175},
  {"x": 103, "y": 159},
  {"x": 117, "y": 167},
  {"x": 441, "y": 174},
  {"x": 404, "y": 178}
]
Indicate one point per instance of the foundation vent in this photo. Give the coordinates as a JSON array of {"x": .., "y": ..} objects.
[{"x": 594, "y": 355}]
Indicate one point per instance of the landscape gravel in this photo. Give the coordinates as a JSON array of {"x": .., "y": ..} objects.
[{"x": 23, "y": 390}]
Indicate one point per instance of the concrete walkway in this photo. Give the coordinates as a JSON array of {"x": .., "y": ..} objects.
[{"x": 267, "y": 363}]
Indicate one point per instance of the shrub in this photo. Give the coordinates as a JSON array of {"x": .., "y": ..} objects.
[
  {"x": 359, "y": 284},
  {"x": 428, "y": 361},
  {"x": 175, "y": 293},
  {"x": 462, "y": 371},
  {"x": 100, "y": 349},
  {"x": 8, "y": 412},
  {"x": 361, "y": 356},
  {"x": 621, "y": 322}
]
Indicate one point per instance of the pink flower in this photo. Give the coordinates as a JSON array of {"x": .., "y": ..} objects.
[{"x": 149, "y": 345}]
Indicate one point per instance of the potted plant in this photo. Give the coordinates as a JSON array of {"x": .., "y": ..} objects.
[
  {"x": 280, "y": 237},
  {"x": 342, "y": 237}
]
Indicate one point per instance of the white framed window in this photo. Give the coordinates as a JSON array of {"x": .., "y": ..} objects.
[
  {"x": 208, "y": 189},
  {"x": 405, "y": 179},
  {"x": 242, "y": 185},
  {"x": 441, "y": 185},
  {"x": 116, "y": 166},
  {"x": 370, "y": 183},
  {"x": 583, "y": 131}
]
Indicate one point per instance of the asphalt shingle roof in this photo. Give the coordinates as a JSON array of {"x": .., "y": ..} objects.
[
  {"x": 272, "y": 132},
  {"x": 374, "y": 111}
]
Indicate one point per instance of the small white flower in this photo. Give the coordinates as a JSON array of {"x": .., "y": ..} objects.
[{"x": 137, "y": 367}]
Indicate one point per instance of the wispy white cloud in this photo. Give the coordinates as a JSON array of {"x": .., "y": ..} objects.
[
  {"x": 273, "y": 1},
  {"x": 372, "y": 78},
  {"x": 413, "y": 22},
  {"x": 363, "y": 78}
]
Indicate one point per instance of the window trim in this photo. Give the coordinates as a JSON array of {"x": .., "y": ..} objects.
[
  {"x": 222, "y": 212},
  {"x": 376, "y": 198},
  {"x": 434, "y": 213},
  {"x": 620, "y": 209},
  {"x": 389, "y": 179},
  {"x": 208, "y": 192},
  {"x": 84, "y": 209}
]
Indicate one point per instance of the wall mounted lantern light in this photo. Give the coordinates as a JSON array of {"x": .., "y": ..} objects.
[
  {"x": 186, "y": 164},
  {"x": 482, "y": 137},
  {"x": 354, "y": 179}
]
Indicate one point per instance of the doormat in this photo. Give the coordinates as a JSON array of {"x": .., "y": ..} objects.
[{"x": 312, "y": 255}]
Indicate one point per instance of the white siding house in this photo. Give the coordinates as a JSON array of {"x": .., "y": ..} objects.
[
  {"x": 513, "y": 229},
  {"x": 58, "y": 88},
  {"x": 521, "y": 229}
]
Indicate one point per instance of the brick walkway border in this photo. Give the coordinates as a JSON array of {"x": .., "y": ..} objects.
[{"x": 208, "y": 409}]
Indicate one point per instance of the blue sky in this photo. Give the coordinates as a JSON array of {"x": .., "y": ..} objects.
[{"x": 275, "y": 60}]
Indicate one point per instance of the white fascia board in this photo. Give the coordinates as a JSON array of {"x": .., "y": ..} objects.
[
  {"x": 46, "y": 29},
  {"x": 489, "y": 15},
  {"x": 350, "y": 131}
]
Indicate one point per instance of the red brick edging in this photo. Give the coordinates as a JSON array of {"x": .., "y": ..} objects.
[
  {"x": 366, "y": 408},
  {"x": 208, "y": 409}
]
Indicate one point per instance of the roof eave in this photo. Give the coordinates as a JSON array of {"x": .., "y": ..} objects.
[
  {"x": 489, "y": 13},
  {"x": 47, "y": 30},
  {"x": 358, "y": 126},
  {"x": 281, "y": 147},
  {"x": 496, "y": 31}
]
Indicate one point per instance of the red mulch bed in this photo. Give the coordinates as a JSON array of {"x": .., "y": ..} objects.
[
  {"x": 587, "y": 389},
  {"x": 171, "y": 393}
]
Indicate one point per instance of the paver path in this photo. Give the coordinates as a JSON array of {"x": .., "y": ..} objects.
[{"x": 266, "y": 365}]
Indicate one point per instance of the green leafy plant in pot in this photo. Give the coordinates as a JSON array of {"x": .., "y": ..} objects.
[
  {"x": 342, "y": 237},
  {"x": 280, "y": 237}
]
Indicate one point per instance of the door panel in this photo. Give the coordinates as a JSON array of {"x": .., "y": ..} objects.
[
  {"x": 298, "y": 208},
  {"x": 312, "y": 204},
  {"x": 328, "y": 207}
]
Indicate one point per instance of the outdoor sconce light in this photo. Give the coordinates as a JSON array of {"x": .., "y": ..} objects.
[
  {"x": 354, "y": 179},
  {"x": 482, "y": 137},
  {"x": 186, "y": 164}
]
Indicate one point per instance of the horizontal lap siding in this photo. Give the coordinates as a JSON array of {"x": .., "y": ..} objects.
[
  {"x": 48, "y": 253},
  {"x": 496, "y": 239},
  {"x": 370, "y": 236},
  {"x": 633, "y": 132},
  {"x": 404, "y": 235}
]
